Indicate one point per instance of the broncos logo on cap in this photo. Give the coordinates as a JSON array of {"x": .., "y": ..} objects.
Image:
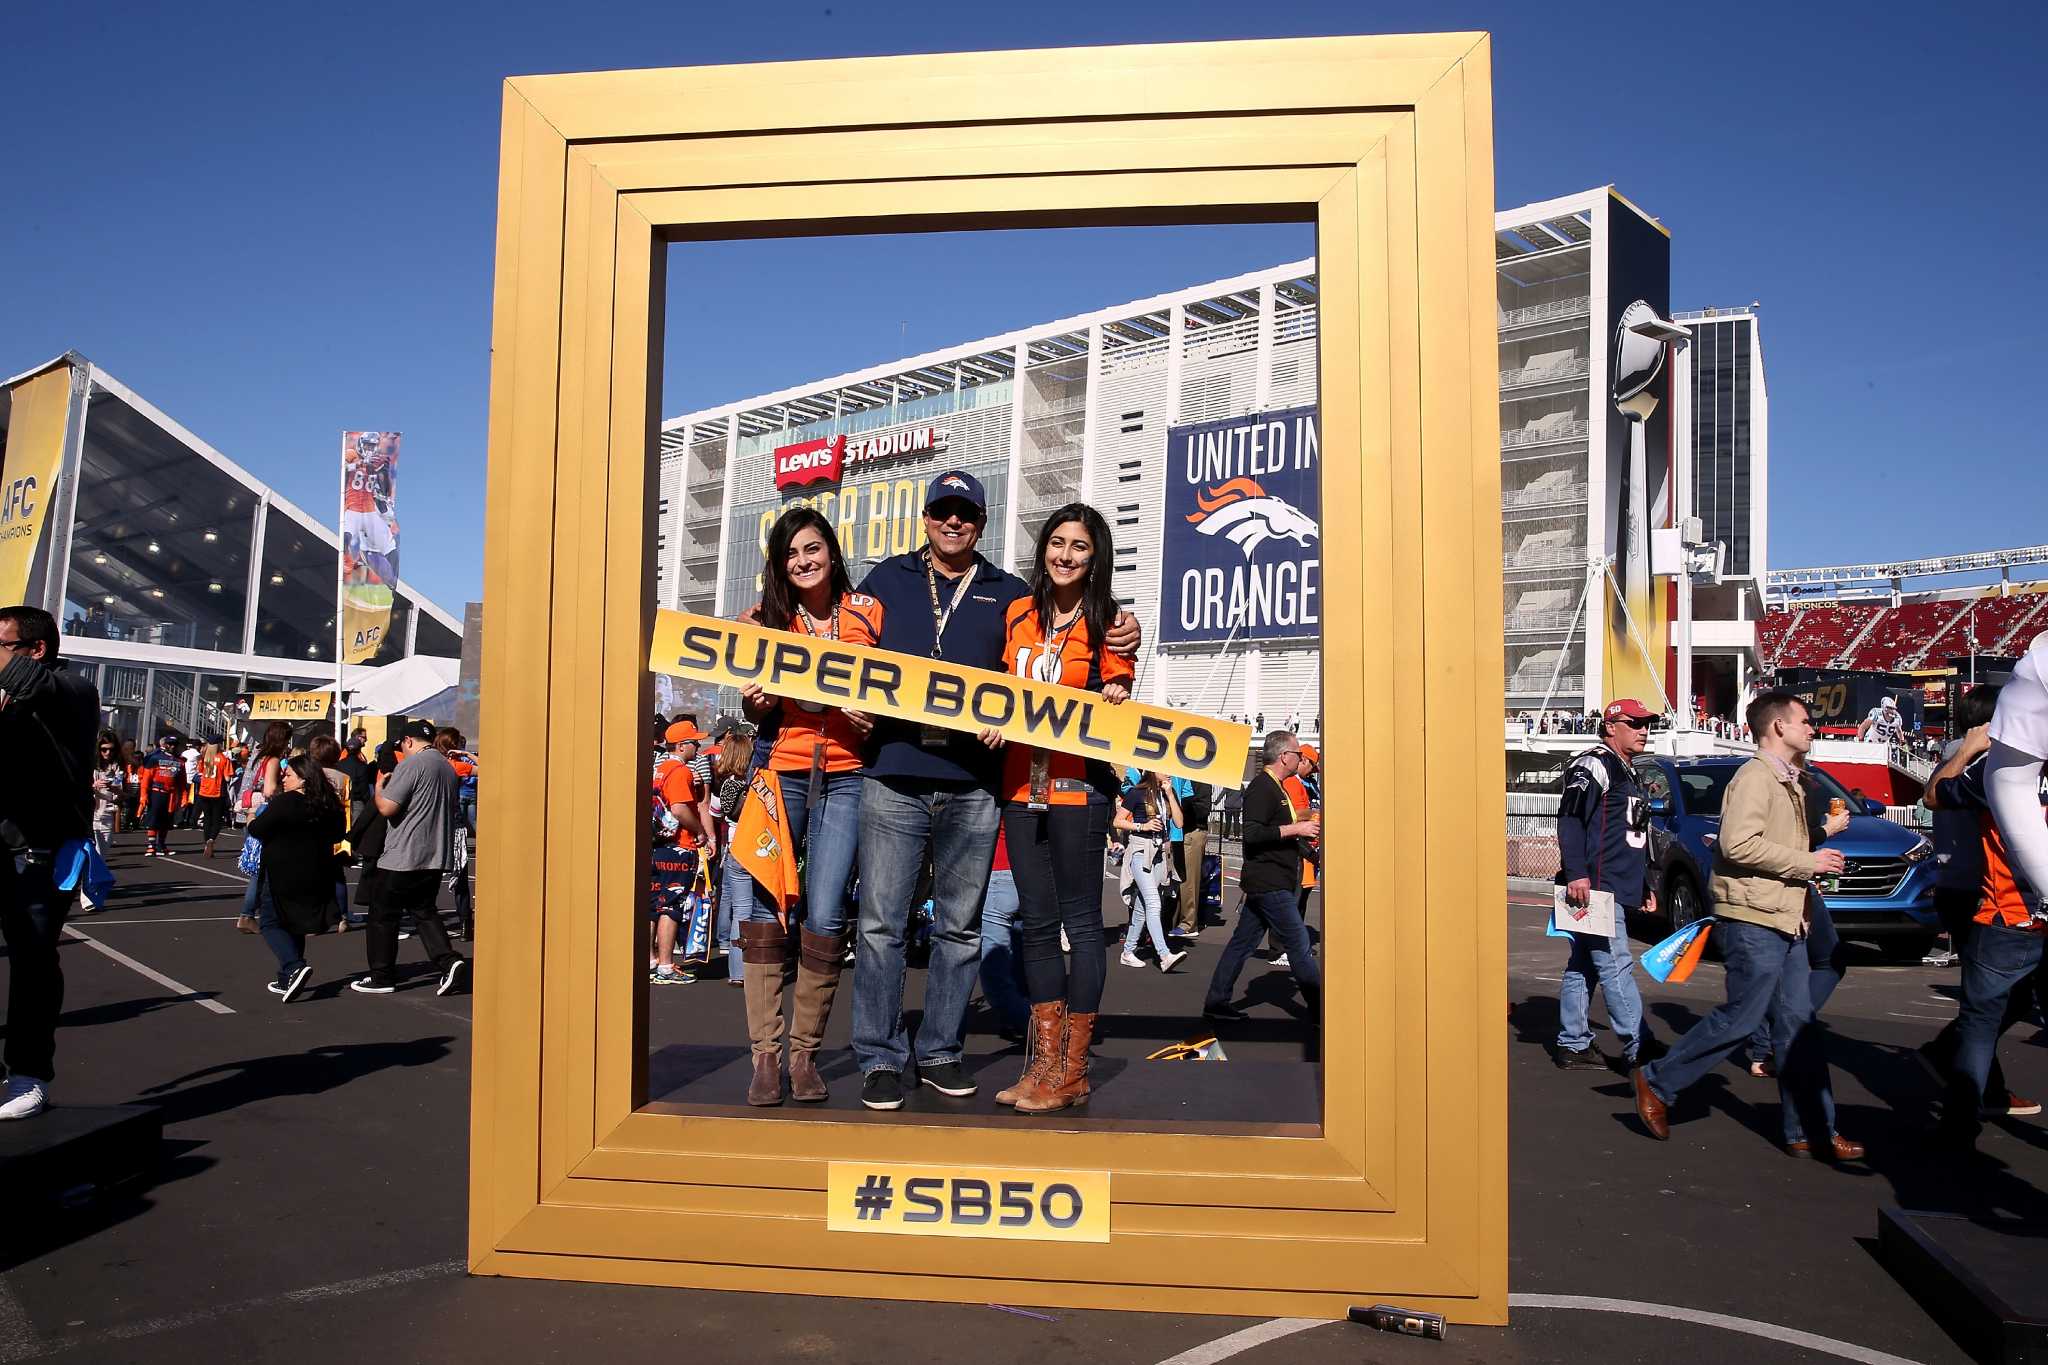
[
  {"x": 1249, "y": 516},
  {"x": 953, "y": 481}
]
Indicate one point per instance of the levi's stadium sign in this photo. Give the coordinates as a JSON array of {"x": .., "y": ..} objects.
[{"x": 826, "y": 459}]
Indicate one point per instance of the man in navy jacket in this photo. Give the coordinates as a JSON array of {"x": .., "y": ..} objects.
[
  {"x": 1603, "y": 841},
  {"x": 931, "y": 793}
]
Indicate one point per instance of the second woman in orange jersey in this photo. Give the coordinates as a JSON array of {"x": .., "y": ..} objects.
[
  {"x": 1055, "y": 835},
  {"x": 816, "y": 755}
]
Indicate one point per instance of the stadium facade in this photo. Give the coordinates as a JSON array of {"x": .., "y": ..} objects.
[
  {"x": 180, "y": 579},
  {"x": 1117, "y": 407}
]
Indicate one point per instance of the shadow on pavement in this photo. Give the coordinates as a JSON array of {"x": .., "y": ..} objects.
[{"x": 231, "y": 1085}]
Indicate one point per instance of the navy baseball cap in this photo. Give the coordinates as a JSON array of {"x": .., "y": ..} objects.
[{"x": 956, "y": 483}]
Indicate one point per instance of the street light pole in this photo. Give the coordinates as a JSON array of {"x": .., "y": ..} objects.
[{"x": 1641, "y": 339}]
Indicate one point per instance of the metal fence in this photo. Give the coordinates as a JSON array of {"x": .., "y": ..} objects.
[{"x": 1532, "y": 834}]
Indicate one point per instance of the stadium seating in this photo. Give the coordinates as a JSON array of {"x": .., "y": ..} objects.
[
  {"x": 1818, "y": 634},
  {"x": 1901, "y": 633},
  {"x": 1912, "y": 634}
]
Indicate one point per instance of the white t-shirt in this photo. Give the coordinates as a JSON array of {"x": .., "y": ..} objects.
[
  {"x": 191, "y": 757},
  {"x": 2021, "y": 721}
]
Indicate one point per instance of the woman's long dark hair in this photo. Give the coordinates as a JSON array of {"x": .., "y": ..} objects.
[
  {"x": 1098, "y": 597},
  {"x": 108, "y": 740},
  {"x": 318, "y": 791},
  {"x": 778, "y": 598},
  {"x": 277, "y": 741}
]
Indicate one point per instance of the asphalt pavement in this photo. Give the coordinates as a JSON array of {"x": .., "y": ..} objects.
[{"x": 310, "y": 1206}]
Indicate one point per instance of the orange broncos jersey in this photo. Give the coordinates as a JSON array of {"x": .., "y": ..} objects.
[
  {"x": 805, "y": 724},
  {"x": 1027, "y": 653},
  {"x": 1298, "y": 800},
  {"x": 679, "y": 787},
  {"x": 358, "y": 479}
]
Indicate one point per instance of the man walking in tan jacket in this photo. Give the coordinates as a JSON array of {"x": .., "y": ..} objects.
[{"x": 1763, "y": 863}]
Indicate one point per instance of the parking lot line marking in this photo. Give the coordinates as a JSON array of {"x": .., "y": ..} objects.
[
  {"x": 1223, "y": 1348},
  {"x": 195, "y": 867},
  {"x": 203, "y": 919},
  {"x": 152, "y": 973},
  {"x": 1769, "y": 1331}
]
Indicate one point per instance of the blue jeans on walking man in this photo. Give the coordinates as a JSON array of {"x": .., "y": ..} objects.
[
  {"x": 900, "y": 822},
  {"x": 1279, "y": 913},
  {"x": 1769, "y": 974},
  {"x": 1610, "y": 962},
  {"x": 1997, "y": 964}
]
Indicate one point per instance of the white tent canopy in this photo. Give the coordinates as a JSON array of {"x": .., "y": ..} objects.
[{"x": 398, "y": 688}]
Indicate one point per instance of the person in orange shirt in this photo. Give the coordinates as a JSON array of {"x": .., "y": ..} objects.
[
  {"x": 1054, "y": 832},
  {"x": 815, "y": 753},
  {"x": 685, "y": 800},
  {"x": 161, "y": 777},
  {"x": 215, "y": 770}
]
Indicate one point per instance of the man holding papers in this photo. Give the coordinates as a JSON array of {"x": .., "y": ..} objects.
[{"x": 1603, "y": 837}]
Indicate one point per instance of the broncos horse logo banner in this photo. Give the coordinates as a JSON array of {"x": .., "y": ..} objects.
[{"x": 1243, "y": 558}]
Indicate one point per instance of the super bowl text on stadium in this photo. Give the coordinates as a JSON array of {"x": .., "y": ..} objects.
[{"x": 936, "y": 692}]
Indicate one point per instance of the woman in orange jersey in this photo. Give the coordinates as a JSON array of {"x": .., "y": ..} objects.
[
  {"x": 215, "y": 771},
  {"x": 1054, "y": 830},
  {"x": 814, "y": 753}
]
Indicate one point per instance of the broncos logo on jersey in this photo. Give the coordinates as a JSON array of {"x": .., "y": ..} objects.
[{"x": 1248, "y": 516}]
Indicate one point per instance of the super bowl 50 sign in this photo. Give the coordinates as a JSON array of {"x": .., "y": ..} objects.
[{"x": 1243, "y": 523}]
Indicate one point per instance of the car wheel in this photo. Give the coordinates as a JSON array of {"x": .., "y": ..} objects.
[{"x": 1682, "y": 903}]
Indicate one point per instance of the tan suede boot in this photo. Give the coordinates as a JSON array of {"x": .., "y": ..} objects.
[
  {"x": 1069, "y": 1083},
  {"x": 1048, "y": 1029},
  {"x": 820, "y": 960},
  {"x": 765, "y": 950}
]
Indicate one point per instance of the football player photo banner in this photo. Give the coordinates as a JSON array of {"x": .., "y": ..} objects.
[
  {"x": 1242, "y": 553},
  {"x": 369, "y": 540}
]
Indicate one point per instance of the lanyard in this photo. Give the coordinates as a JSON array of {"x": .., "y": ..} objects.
[
  {"x": 940, "y": 618},
  {"x": 817, "y": 776},
  {"x": 811, "y": 622}
]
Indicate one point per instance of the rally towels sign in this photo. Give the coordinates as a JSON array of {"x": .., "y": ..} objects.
[
  {"x": 1242, "y": 558},
  {"x": 884, "y": 682}
]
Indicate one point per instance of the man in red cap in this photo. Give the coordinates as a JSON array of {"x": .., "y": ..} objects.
[{"x": 1603, "y": 839}]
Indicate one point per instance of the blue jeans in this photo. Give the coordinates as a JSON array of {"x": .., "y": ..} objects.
[
  {"x": 1001, "y": 970},
  {"x": 1829, "y": 959},
  {"x": 1144, "y": 901},
  {"x": 1277, "y": 912},
  {"x": 1996, "y": 964},
  {"x": 287, "y": 947},
  {"x": 828, "y": 835},
  {"x": 1608, "y": 961},
  {"x": 900, "y": 822},
  {"x": 1769, "y": 973},
  {"x": 732, "y": 884}
]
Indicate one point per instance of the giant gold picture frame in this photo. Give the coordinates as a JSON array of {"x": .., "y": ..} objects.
[{"x": 1385, "y": 143}]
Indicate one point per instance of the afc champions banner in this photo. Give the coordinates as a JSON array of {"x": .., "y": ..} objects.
[
  {"x": 1242, "y": 552},
  {"x": 41, "y": 407},
  {"x": 369, "y": 540}
]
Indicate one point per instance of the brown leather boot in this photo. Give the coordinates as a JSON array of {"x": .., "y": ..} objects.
[
  {"x": 765, "y": 950},
  {"x": 1069, "y": 1082},
  {"x": 821, "y": 958},
  {"x": 1048, "y": 1030}
]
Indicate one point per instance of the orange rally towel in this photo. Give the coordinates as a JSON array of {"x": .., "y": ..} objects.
[{"x": 763, "y": 845}]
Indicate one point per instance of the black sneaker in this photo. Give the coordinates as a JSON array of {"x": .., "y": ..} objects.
[
  {"x": 948, "y": 1078},
  {"x": 370, "y": 985},
  {"x": 1585, "y": 1059},
  {"x": 882, "y": 1090},
  {"x": 452, "y": 978},
  {"x": 1229, "y": 1014},
  {"x": 293, "y": 982}
]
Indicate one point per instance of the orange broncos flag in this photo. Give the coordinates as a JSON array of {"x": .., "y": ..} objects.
[{"x": 763, "y": 846}]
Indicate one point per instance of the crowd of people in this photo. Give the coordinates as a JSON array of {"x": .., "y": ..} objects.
[
  {"x": 826, "y": 839},
  {"x": 310, "y": 807},
  {"x": 1772, "y": 926}
]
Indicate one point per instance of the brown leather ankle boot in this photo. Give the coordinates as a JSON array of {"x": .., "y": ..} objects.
[
  {"x": 1048, "y": 1025},
  {"x": 765, "y": 949},
  {"x": 820, "y": 960},
  {"x": 1069, "y": 1082}
]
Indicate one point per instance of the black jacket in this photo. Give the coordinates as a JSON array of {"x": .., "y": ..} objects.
[
  {"x": 298, "y": 859},
  {"x": 47, "y": 731},
  {"x": 1603, "y": 827}
]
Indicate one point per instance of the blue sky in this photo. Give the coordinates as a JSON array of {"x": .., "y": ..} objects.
[{"x": 275, "y": 222}]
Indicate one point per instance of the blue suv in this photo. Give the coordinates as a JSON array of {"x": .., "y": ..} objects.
[{"x": 1885, "y": 892}]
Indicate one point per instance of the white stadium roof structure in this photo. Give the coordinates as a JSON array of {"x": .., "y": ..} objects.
[{"x": 1786, "y": 588}]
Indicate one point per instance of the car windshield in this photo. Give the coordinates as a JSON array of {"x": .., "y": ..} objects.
[{"x": 1704, "y": 786}]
